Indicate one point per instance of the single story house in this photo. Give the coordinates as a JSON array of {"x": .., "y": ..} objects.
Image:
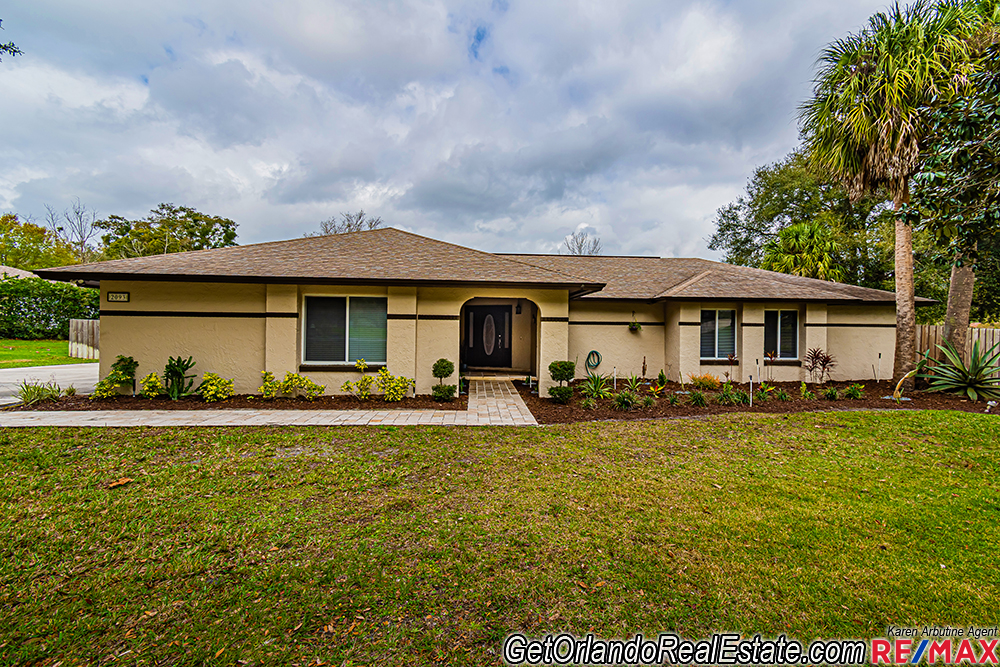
[{"x": 314, "y": 305}]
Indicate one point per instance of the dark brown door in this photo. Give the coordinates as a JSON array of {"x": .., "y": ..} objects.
[{"x": 487, "y": 336}]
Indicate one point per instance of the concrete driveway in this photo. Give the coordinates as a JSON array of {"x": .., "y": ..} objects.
[{"x": 81, "y": 376}]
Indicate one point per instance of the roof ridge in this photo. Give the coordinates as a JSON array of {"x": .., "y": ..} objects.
[
  {"x": 830, "y": 286},
  {"x": 670, "y": 291},
  {"x": 545, "y": 268},
  {"x": 489, "y": 254}
]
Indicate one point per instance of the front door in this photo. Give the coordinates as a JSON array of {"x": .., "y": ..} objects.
[{"x": 487, "y": 336}]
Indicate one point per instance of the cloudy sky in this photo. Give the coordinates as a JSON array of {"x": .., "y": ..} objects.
[{"x": 499, "y": 124}]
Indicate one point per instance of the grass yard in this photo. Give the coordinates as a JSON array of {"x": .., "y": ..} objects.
[
  {"x": 21, "y": 353},
  {"x": 400, "y": 546}
]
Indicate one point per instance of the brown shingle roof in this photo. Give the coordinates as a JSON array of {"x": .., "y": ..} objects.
[
  {"x": 393, "y": 256},
  {"x": 692, "y": 278},
  {"x": 382, "y": 255},
  {"x": 11, "y": 272}
]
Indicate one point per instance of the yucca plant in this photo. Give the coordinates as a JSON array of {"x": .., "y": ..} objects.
[
  {"x": 595, "y": 387},
  {"x": 634, "y": 384},
  {"x": 977, "y": 380}
]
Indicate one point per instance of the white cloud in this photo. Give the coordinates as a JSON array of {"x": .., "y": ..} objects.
[{"x": 503, "y": 125}]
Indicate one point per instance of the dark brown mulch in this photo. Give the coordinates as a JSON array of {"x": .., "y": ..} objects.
[
  {"x": 242, "y": 401},
  {"x": 548, "y": 412}
]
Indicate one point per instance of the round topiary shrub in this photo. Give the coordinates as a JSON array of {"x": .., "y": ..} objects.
[{"x": 442, "y": 368}]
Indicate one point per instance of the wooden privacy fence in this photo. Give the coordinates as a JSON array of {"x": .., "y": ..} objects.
[
  {"x": 929, "y": 336},
  {"x": 85, "y": 339}
]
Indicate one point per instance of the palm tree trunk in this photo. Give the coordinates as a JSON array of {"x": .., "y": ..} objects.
[
  {"x": 956, "y": 318},
  {"x": 906, "y": 310}
]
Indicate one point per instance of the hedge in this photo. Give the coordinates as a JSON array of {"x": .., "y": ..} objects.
[{"x": 32, "y": 308}]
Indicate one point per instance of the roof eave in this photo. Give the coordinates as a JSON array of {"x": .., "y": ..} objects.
[{"x": 92, "y": 276}]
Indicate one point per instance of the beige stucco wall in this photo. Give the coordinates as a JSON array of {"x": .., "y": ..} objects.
[
  {"x": 619, "y": 347},
  {"x": 232, "y": 347},
  {"x": 855, "y": 335},
  {"x": 240, "y": 348},
  {"x": 424, "y": 326},
  {"x": 856, "y": 344}
]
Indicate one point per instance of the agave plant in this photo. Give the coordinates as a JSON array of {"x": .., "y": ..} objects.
[
  {"x": 595, "y": 387},
  {"x": 977, "y": 380},
  {"x": 634, "y": 384}
]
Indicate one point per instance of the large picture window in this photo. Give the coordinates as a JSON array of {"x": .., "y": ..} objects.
[
  {"x": 781, "y": 333},
  {"x": 718, "y": 333},
  {"x": 341, "y": 329}
]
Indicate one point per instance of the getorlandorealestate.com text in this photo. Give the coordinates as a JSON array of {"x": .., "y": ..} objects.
[{"x": 927, "y": 645}]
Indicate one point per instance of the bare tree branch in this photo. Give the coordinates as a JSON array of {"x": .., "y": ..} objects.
[
  {"x": 348, "y": 222},
  {"x": 582, "y": 243}
]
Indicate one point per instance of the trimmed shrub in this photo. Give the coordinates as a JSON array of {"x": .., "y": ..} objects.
[
  {"x": 292, "y": 384},
  {"x": 394, "y": 388},
  {"x": 362, "y": 388},
  {"x": 706, "y": 382},
  {"x": 441, "y": 369},
  {"x": 215, "y": 388},
  {"x": 270, "y": 388},
  {"x": 122, "y": 375},
  {"x": 32, "y": 308},
  {"x": 295, "y": 383},
  {"x": 562, "y": 371},
  {"x": 561, "y": 394},
  {"x": 443, "y": 392},
  {"x": 151, "y": 386}
]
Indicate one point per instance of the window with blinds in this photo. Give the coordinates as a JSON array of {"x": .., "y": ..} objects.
[
  {"x": 342, "y": 329},
  {"x": 366, "y": 333},
  {"x": 718, "y": 333},
  {"x": 781, "y": 333}
]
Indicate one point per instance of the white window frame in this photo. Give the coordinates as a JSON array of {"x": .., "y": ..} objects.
[
  {"x": 736, "y": 342},
  {"x": 798, "y": 337},
  {"x": 347, "y": 329}
]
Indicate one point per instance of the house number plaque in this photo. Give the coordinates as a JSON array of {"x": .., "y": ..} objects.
[{"x": 118, "y": 297}]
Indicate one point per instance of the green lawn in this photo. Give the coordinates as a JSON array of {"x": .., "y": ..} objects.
[
  {"x": 21, "y": 353},
  {"x": 428, "y": 545}
]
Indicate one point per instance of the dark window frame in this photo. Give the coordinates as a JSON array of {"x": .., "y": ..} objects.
[
  {"x": 347, "y": 331},
  {"x": 777, "y": 332},
  {"x": 715, "y": 323}
]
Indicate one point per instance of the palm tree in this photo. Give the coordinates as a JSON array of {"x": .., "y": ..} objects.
[
  {"x": 804, "y": 249},
  {"x": 865, "y": 122}
]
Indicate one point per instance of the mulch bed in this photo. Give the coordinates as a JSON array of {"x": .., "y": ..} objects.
[
  {"x": 244, "y": 401},
  {"x": 548, "y": 412}
]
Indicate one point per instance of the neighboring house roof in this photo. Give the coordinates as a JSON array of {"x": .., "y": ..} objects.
[
  {"x": 651, "y": 278},
  {"x": 11, "y": 272},
  {"x": 393, "y": 256},
  {"x": 381, "y": 255}
]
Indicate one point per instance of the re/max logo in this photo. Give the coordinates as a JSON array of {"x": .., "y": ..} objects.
[{"x": 903, "y": 651}]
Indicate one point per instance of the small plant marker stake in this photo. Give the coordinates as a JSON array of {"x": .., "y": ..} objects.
[
  {"x": 751, "y": 391},
  {"x": 615, "y": 370}
]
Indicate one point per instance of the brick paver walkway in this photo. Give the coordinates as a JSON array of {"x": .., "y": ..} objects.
[{"x": 491, "y": 403}]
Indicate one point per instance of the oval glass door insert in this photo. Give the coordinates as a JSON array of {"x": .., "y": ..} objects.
[{"x": 489, "y": 335}]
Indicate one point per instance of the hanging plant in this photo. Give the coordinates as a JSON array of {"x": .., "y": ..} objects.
[{"x": 634, "y": 326}]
